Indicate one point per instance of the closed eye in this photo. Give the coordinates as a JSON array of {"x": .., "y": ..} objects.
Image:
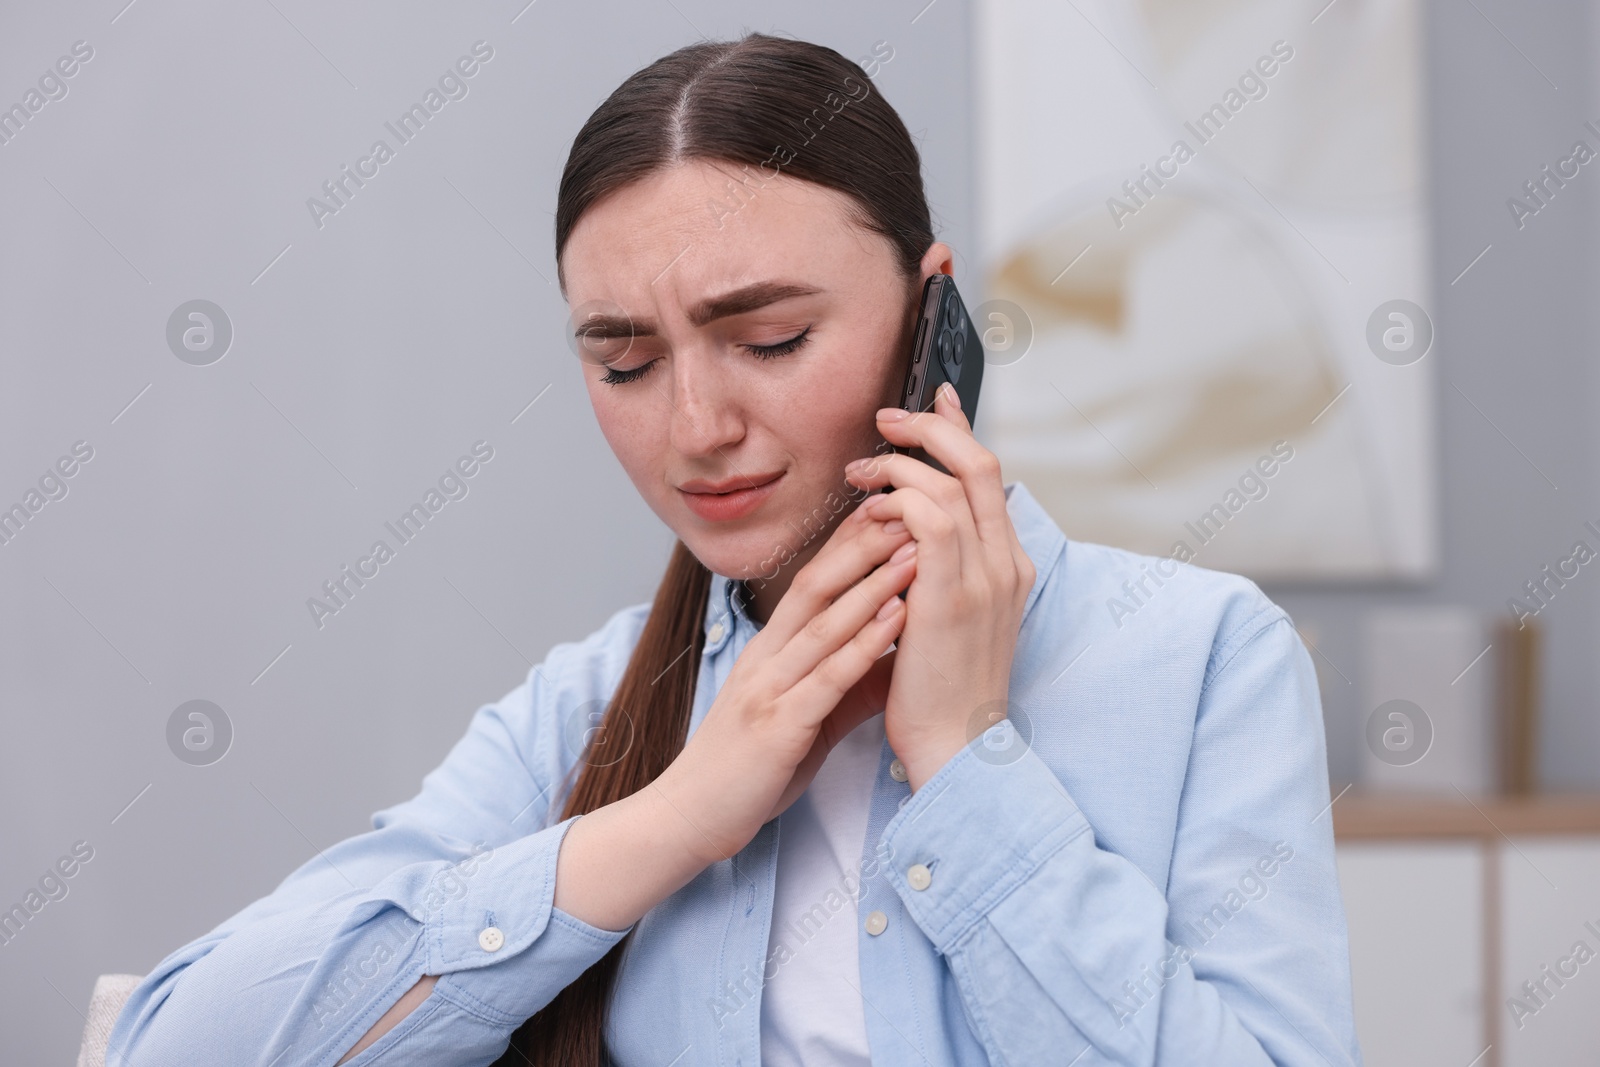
[
  {"x": 613, "y": 376},
  {"x": 782, "y": 348}
]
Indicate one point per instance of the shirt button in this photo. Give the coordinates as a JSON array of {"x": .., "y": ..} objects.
[
  {"x": 714, "y": 634},
  {"x": 897, "y": 771},
  {"x": 491, "y": 939},
  {"x": 919, "y": 876},
  {"x": 877, "y": 922}
]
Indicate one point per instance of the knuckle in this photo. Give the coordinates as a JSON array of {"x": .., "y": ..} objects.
[
  {"x": 807, "y": 583},
  {"x": 913, "y": 498},
  {"x": 833, "y": 673},
  {"x": 816, "y": 628}
]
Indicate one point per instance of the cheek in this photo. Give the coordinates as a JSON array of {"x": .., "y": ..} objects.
[
  {"x": 628, "y": 430},
  {"x": 856, "y": 385},
  {"x": 826, "y": 412}
]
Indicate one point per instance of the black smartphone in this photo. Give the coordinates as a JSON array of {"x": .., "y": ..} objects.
[{"x": 945, "y": 348}]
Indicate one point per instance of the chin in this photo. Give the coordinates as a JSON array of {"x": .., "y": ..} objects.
[
  {"x": 763, "y": 551},
  {"x": 749, "y": 554}
]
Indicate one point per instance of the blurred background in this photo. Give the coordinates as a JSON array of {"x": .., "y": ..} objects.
[{"x": 1298, "y": 290}]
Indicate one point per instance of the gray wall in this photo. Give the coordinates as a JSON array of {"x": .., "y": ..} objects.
[
  {"x": 420, "y": 319},
  {"x": 417, "y": 320}
]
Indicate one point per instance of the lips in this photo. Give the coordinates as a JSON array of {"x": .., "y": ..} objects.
[
  {"x": 732, "y": 498},
  {"x": 743, "y": 481}
]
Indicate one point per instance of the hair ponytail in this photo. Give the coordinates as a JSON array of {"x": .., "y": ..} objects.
[
  {"x": 760, "y": 103},
  {"x": 648, "y": 716}
]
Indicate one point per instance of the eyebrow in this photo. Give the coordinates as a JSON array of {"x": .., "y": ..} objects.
[{"x": 738, "y": 302}]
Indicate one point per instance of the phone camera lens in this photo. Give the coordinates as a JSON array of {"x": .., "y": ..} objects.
[
  {"x": 952, "y": 315},
  {"x": 960, "y": 347},
  {"x": 945, "y": 343}
]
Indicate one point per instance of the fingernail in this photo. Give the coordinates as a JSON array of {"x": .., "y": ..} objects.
[
  {"x": 951, "y": 395},
  {"x": 892, "y": 414},
  {"x": 904, "y": 552},
  {"x": 894, "y": 526},
  {"x": 854, "y": 465},
  {"x": 890, "y": 606}
]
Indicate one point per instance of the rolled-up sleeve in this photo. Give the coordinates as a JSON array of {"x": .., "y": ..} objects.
[
  {"x": 457, "y": 882},
  {"x": 1062, "y": 948}
]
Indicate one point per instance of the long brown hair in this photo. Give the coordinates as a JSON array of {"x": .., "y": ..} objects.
[{"x": 767, "y": 105}]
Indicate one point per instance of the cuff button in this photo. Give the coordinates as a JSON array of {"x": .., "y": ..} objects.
[
  {"x": 919, "y": 876},
  {"x": 491, "y": 939}
]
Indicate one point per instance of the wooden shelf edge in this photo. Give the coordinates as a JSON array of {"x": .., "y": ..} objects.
[{"x": 1380, "y": 816}]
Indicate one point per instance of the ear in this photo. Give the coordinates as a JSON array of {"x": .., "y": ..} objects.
[{"x": 938, "y": 259}]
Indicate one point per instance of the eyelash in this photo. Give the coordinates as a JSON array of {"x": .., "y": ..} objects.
[{"x": 782, "y": 348}]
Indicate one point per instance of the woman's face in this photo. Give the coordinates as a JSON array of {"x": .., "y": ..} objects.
[{"x": 767, "y": 330}]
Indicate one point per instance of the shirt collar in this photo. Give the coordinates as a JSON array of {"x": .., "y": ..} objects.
[
  {"x": 1040, "y": 537},
  {"x": 1038, "y": 534},
  {"x": 725, "y": 609}
]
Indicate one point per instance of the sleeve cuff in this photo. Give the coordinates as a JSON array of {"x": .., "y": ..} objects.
[
  {"x": 980, "y": 826},
  {"x": 504, "y": 909}
]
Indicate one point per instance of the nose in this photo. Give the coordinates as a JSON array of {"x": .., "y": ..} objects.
[{"x": 707, "y": 416}]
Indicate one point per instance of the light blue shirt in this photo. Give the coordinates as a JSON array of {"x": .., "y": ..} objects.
[{"x": 1137, "y": 868}]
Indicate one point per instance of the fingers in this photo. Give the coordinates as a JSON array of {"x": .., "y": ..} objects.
[
  {"x": 940, "y": 561},
  {"x": 857, "y": 545},
  {"x": 842, "y": 669},
  {"x": 872, "y": 606},
  {"x": 947, "y": 402},
  {"x": 902, "y": 472},
  {"x": 946, "y": 434}
]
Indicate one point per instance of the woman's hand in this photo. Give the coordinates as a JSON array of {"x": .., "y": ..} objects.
[
  {"x": 953, "y": 661},
  {"x": 810, "y": 676}
]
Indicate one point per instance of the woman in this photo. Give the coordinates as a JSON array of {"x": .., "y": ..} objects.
[{"x": 818, "y": 822}]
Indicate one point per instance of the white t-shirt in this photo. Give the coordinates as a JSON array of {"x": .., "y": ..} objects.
[{"x": 811, "y": 1010}]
